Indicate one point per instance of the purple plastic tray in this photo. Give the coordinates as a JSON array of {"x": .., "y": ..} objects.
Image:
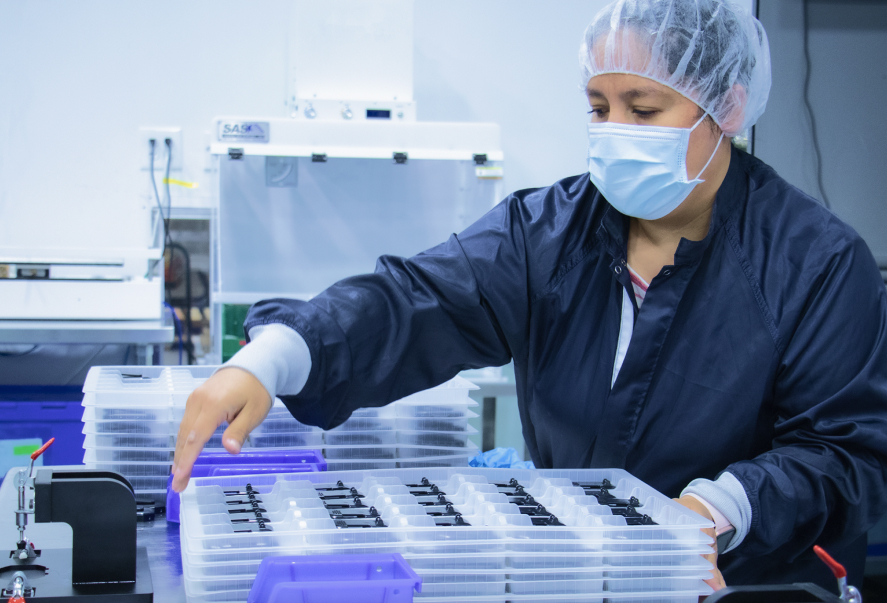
[
  {"x": 210, "y": 464},
  {"x": 258, "y": 457},
  {"x": 335, "y": 579}
]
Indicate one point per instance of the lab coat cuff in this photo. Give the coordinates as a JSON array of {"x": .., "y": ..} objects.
[
  {"x": 277, "y": 356},
  {"x": 728, "y": 496}
]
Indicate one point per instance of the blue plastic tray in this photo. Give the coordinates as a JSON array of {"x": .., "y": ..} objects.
[
  {"x": 335, "y": 579},
  {"x": 253, "y": 462}
]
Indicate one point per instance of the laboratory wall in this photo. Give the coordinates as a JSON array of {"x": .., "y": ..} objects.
[
  {"x": 81, "y": 78},
  {"x": 847, "y": 44}
]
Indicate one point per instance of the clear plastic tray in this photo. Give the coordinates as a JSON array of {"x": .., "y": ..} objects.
[
  {"x": 135, "y": 469},
  {"x": 415, "y": 411},
  {"x": 360, "y": 452},
  {"x": 360, "y": 438},
  {"x": 435, "y": 423},
  {"x": 128, "y": 441},
  {"x": 123, "y": 386},
  {"x": 414, "y": 452},
  {"x": 487, "y": 561},
  {"x": 436, "y": 438},
  {"x": 375, "y": 412},
  {"x": 454, "y": 391},
  {"x": 366, "y": 424}
]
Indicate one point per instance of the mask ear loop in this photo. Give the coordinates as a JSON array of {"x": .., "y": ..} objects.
[{"x": 717, "y": 146}]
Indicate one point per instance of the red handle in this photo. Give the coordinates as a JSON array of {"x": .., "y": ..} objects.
[
  {"x": 16, "y": 600},
  {"x": 40, "y": 451},
  {"x": 837, "y": 569}
]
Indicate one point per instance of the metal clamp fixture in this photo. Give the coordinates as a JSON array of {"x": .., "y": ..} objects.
[{"x": 24, "y": 549}]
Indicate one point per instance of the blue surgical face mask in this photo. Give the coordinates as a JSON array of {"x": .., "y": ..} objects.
[{"x": 642, "y": 170}]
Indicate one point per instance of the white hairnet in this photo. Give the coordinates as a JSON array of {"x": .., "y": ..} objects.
[{"x": 711, "y": 51}]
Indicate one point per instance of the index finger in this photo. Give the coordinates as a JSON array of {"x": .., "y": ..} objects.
[
  {"x": 201, "y": 430},
  {"x": 192, "y": 411}
]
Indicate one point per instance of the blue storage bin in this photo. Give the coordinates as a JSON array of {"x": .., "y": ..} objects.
[
  {"x": 30, "y": 415},
  {"x": 382, "y": 578}
]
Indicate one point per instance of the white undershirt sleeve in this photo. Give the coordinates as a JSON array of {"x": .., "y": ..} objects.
[
  {"x": 728, "y": 497},
  {"x": 277, "y": 356}
]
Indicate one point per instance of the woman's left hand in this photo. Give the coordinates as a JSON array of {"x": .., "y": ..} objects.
[{"x": 717, "y": 580}]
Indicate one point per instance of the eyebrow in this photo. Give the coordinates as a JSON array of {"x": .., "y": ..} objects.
[{"x": 631, "y": 94}]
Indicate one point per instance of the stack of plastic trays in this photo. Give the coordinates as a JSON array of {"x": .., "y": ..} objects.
[
  {"x": 427, "y": 429},
  {"x": 482, "y": 535},
  {"x": 132, "y": 414}
]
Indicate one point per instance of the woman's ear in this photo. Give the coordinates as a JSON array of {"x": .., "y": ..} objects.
[{"x": 735, "y": 105}]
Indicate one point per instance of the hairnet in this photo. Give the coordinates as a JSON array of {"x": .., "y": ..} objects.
[{"x": 711, "y": 51}]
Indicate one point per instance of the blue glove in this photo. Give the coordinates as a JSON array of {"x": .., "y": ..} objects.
[{"x": 500, "y": 458}]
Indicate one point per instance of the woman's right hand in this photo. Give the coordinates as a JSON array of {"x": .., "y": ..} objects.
[{"x": 233, "y": 395}]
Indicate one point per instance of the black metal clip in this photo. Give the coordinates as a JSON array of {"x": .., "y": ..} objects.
[
  {"x": 440, "y": 500},
  {"x": 355, "y": 503},
  {"x": 535, "y": 510},
  {"x": 550, "y": 520},
  {"x": 604, "y": 483},
  {"x": 431, "y": 490},
  {"x": 339, "y": 486},
  {"x": 235, "y": 154},
  {"x": 605, "y": 498},
  {"x": 423, "y": 483},
  {"x": 318, "y": 158},
  {"x": 525, "y": 500},
  {"x": 480, "y": 158},
  {"x": 352, "y": 493},
  {"x": 400, "y": 158},
  {"x": 337, "y": 514},
  {"x": 456, "y": 520},
  {"x": 449, "y": 509},
  {"x": 633, "y": 518},
  {"x": 376, "y": 522}
]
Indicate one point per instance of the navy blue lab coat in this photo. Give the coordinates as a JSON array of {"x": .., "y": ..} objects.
[{"x": 761, "y": 351}]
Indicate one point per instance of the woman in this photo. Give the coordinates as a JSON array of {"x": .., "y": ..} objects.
[{"x": 680, "y": 311}]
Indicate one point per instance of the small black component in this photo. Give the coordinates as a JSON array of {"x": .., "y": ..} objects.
[
  {"x": 378, "y": 114},
  {"x": 449, "y": 509},
  {"x": 431, "y": 490},
  {"x": 605, "y": 484},
  {"x": 318, "y": 158},
  {"x": 456, "y": 520},
  {"x": 640, "y": 520},
  {"x": 440, "y": 500},
  {"x": 423, "y": 483},
  {"x": 375, "y": 522},
  {"x": 145, "y": 512},
  {"x": 351, "y": 493},
  {"x": 534, "y": 510},
  {"x": 633, "y": 518},
  {"x": 235, "y": 154},
  {"x": 525, "y": 500},
  {"x": 337, "y": 514},
  {"x": 605, "y": 498},
  {"x": 341, "y": 504},
  {"x": 549, "y": 520},
  {"x": 339, "y": 486},
  {"x": 400, "y": 158},
  {"x": 481, "y": 159}
]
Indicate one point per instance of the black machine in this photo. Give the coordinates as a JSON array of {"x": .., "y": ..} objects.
[{"x": 103, "y": 563}]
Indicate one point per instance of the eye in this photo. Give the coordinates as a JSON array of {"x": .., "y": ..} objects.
[
  {"x": 645, "y": 114},
  {"x": 597, "y": 111}
]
